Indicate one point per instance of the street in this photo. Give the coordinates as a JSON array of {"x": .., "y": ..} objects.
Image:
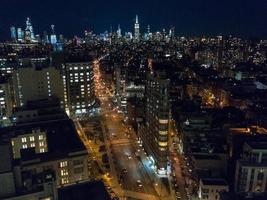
[{"x": 130, "y": 174}]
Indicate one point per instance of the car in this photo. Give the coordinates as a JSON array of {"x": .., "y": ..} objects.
[
  {"x": 139, "y": 183},
  {"x": 129, "y": 157},
  {"x": 124, "y": 170}
]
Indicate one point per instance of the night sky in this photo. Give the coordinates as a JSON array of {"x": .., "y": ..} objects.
[{"x": 246, "y": 18}]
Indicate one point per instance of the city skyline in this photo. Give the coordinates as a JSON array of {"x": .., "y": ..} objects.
[
  {"x": 134, "y": 100},
  {"x": 245, "y": 19}
]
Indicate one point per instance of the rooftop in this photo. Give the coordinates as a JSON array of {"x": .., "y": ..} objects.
[
  {"x": 89, "y": 190},
  {"x": 213, "y": 181},
  {"x": 258, "y": 145},
  {"x": 62, "y": 139}
]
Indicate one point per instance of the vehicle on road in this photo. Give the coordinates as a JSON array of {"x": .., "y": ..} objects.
[{"x": 139, "y": 183}]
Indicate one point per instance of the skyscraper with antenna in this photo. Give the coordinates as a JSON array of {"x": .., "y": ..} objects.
[
  {"x": 53, "y": 37},
  {"x": 136, "y": 29},
  {"x": 119, "y": 31},
  {"x": 29, "y": 34}
]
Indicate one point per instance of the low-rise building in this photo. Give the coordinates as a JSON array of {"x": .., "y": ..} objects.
[
  {"x": 47, "y": 144},
  {"x": 210, "y": 188},
  {"x": 251, "y": 169}
]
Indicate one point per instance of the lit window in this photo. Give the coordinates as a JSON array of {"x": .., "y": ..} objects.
[
  {"x": 41, "y": 137},
  {"x": 64, "y": 172},
  {"x": 163, "y": 132},
  {"x": 64, "y": 180},
  {"x": 12, "y": 143},
  {"x": 42, "y": 150},
  {"x": 24, "y": 139},
  {"x": 41, "y": 144},
  {"x": 24, "y": 146},
  {"x": 32, "y": 138},
  {"x": 163, "y": 121},
  {"x": 163, "y": 144},
  {"x": 64, "y": 164},
  {"x": 32, "y": 144}
]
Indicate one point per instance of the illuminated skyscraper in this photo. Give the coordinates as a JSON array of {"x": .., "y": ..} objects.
[
  {"x": 171, "y": 32},
  {"x": 53, "y": 37},
  {"x": 119, "y": 31},
  {"x": 148, "y": 34},
  {"x": 29, "y": 34},
  {"x": 136, "y": 29},
  {"x": 20, "y": 34},
  {"x": 13, "y": 33},
  {"x": 45, "y": 37},
  {"x": 148, "y": 29}
]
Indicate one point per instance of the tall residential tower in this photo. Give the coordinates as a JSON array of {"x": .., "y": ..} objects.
[{"x": 154, "y": 133}]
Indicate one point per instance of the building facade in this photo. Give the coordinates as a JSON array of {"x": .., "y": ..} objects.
[
  {"x": 35, "y": 80},
  {"x": 79, "y": 88},
  {"x": 209, "y": 189},
  {"x": 251, "y": 169},
  {"x": 136, "y": 29},
  {"x": 154, "y": 133},
  {"x": 6, "y": 100}
]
